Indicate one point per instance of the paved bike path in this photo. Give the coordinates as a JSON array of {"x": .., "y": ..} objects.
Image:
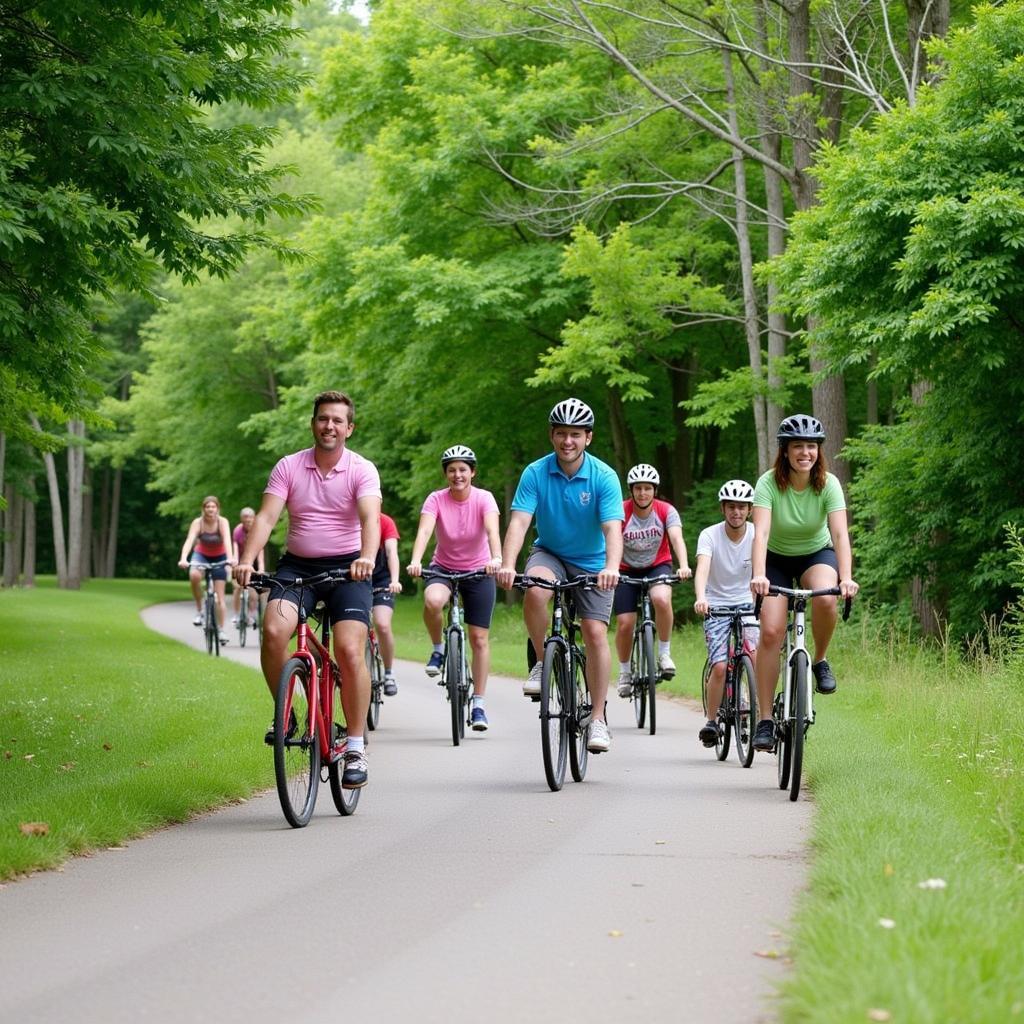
[{"x": 462, "y": 888}]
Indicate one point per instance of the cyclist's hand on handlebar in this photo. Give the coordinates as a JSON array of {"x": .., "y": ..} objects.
[
  {"x": 759, "y": 586},
  {"x": 183, "y": 563},
  {"x": 848, "y": 588},
  {"x": 492, "y": 567},
  {"x": 241, "y": 573},
  {"x": 701, "y": 607},
  {"x": 396, "y": 587},
  {"x": 607, "y": 579},
  {"x": 361, "y": 569},
  {"x": 506, "y": 577},
  {"x": 684, "y": 572},
  {"x": 414, "y": 569}
]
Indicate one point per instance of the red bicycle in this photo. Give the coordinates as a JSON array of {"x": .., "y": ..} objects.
[{"x": 310, "y": 735}]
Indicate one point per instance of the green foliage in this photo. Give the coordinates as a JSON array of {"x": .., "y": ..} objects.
[{"x": 1015, "y": 612}]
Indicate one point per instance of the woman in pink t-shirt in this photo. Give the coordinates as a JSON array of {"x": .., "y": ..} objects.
[{"x": 466, "y": 521}]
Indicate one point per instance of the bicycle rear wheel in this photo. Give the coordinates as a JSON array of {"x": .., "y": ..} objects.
[
  {"x": 798, "y": 725},
  {"x": 745, "y": 712},
  {"x": 376, "y": 670},
  {"x": 636, "y": 667},
  {"x": 456, "y": 691},
  {"x": 579, "y": 730},
  {"x": 650, "y": 675},
  {"x": 781, "y": 741},
  {"x": 296, "y": 748},
  {"x": 554, "y": 688},
  {"x": 243, "y": 618},
  {"x": 345, "y": 800}
]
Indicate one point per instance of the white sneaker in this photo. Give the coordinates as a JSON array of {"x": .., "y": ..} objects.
[
  {"x": 667, "y": 666},
  {"x": 531, "y": 688},
  {"x": 600, "y": 738},
  {"x": 198, "y": 620},
  {"x": 626, "y": 684},
  {"x": 222, "y": 637},
  {"x": 234, "y": 620}
]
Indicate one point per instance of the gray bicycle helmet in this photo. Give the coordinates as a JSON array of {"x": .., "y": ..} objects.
[
  {"x": 642, "y": 473},
  {"x": 800, "y": 428},
  {"x": 571, "y": 412},
  {"x": 736, "y": 490},
  {"x": 458, "y": 453}
]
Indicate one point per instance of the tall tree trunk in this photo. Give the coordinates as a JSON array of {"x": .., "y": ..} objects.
[
  {"x": 110, "y": 563},
  {"x": 872, "y": 382},
  {"x": 751, "y": 312},
  {"x": 28, "y": 566},
  {"x": 76, "y": 473},
  {"x": 12, "y": 536},
  {"x": 926, "y": 19},
  {"x": 87, "y": 514},
  {"x": 623, "y": 442},
  {"x": 56, "y": 512}
]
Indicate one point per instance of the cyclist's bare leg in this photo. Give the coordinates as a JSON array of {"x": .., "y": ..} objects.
[
  {"x": 661, "y": 599},
  {"x": 624, "y": 624},
  {"x": 435, "y": 597},
  {"x": 382, "y": 615},
  {"x": 350, "y": 653},
  {"x": 824, "y": 611},
  {"x": 599, "y": 663},
  {"x": 478, "y": 641},
  {"x": 219, "y": 587},
  {"x": 278, "y": 627},
  {"x": 195, "y": 578},
  {"x": 773, "y": 632},
  {"x": 535, "y": 610},
  {"x": 716, "y": 688}
]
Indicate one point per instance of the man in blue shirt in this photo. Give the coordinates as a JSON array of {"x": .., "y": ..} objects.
[{"x": 577, "y": 503}]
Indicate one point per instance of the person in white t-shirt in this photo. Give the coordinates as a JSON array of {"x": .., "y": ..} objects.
[
  {"x": 722, "y": 580},
  {"x": 466, "y": 520}
]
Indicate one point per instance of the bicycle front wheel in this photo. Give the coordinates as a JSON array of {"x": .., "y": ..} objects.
[
  {"x": 798, "y": 725},
  {"x": 580, "y": 714},
  {"x": 554, "y": 689},
  {"x": 456, "y": 691},
  {"x": 296, "y": 748},
  {"x": 636, "y": 667},
  {"x": 376, "y": 671},
  {"x": 210, "y": 625},
  {"x": 243, "y": 618},
  {"x": 745, "y": 712},
  {"x": 650, "y": 675},
  {"x": 781, "y": 741},
  {"x": 345, "y": 800}
]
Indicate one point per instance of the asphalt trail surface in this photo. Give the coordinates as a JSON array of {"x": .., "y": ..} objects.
[{"x": 462, "y": 889}]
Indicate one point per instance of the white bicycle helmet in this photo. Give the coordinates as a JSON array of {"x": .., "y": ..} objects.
[
  {"x": 800, "y": 428},
  {"x": 736, "y": 490},
  {"x": 642, "y": 473},
  {"x": 458, "y": 453},
  {"x": 571, "y": 412}
]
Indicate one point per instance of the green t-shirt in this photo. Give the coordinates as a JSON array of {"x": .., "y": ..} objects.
[{"x": 799, "y": 518}]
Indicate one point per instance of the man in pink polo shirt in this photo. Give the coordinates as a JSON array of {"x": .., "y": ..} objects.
[{"x": 333, "y": 501}]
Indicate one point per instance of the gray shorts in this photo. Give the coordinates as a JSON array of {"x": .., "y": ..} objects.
[{"x": 590, "y": 604}]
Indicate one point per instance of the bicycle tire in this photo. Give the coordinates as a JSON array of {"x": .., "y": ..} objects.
[
  {"x": 781, "y": 742},
  {"x": 650, "y": 667},
  {"x": 243, "y": 618},
  {"x": 798, "y": 725},
  {"x": 296, "y": 758},
  {"x": 553, "y": 729},
  {"x": 745, "y": 720},
  {"x": 579, "y": 734},
  {"x": 345, "y": 800},
  {"x": 376, "y": 672},
  {"x": 210, "y": 625},
  {"x": 453, "y": 679},
  {"x": 639, "y": 686}
]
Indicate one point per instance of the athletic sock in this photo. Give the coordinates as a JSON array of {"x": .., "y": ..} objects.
[
  {"x": 664, "y": 647},
  {"x": 438, "y": 648},
  {"x": 624, "y": 667},
  {"x": 478, "y": 702},
  {"x": 356, "y": 744}
]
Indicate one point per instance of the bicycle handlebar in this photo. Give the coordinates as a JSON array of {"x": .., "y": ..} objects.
[
  {"x": 468, "y": 574},
  {"x": 264, "y": 581},
  {"x": 670, "y": 581},
  {"x": 585, "y": 580},
  {"x": 208, "y": 565},
  {"x": 774, "y": 591}
]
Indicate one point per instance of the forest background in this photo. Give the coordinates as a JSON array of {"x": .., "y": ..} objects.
[{"x": 696, "y": 217}]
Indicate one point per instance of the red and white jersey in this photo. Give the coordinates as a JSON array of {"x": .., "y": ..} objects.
[{"x": 645, "y": 541}]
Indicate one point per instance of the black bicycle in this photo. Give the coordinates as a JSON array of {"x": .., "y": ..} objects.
[
  {"x": 250, "y": 615},
  {"x": 793, "y": 707},
  {"x": 565, "y": 708},
  {"x": 737, "y": 714},
  {"x": 375, "y": 666},
  {"x": 211, "y": 630},
  {"x": 456, "y": 674},
  {"x": 643, "y": 662}
]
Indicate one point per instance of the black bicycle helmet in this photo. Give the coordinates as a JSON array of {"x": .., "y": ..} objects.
[
  {"x": 571, "y": 412},
  {"x": 800, "y": 428},
  {"x": 458, "y": 453}
]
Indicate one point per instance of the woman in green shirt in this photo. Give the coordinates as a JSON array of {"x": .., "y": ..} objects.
[{"x": 800, "y": 533}]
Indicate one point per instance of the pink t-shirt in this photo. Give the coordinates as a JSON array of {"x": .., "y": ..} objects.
[
  {"x": 461, "y": 537},
  {"x": 323, "y": 517}
]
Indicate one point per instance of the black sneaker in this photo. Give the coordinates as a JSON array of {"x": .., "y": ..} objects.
[
  {"x": 354, "y": 776},
  {"x": 764, "y": 737},
  {"x": 434, "y": 663},
  {"x": 293, "y": 728},
  {"x": 708, "y": 734},
  {"x": 825, "y": 680}
]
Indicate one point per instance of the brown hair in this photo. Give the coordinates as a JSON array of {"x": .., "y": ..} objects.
[
  {"x": 214, "y": 499},
  {"x": 818, "y": 470},
  {"x": 332, "y": 398}
]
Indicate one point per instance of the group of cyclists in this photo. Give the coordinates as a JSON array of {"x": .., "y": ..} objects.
[{"x": 790, "y": 527}]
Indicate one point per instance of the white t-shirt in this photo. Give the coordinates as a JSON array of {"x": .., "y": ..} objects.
[{"x": 729, "y": 578}]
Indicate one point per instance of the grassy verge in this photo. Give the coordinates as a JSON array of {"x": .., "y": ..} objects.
[{"x": 108, "y": 730}]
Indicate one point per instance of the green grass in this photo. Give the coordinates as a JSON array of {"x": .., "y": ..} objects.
[
  {"x": 915, "y": 765},
  {"x": 108, "y": 730}
]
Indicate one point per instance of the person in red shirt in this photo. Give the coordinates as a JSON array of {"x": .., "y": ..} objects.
[{"x": 385, "y": 585}]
